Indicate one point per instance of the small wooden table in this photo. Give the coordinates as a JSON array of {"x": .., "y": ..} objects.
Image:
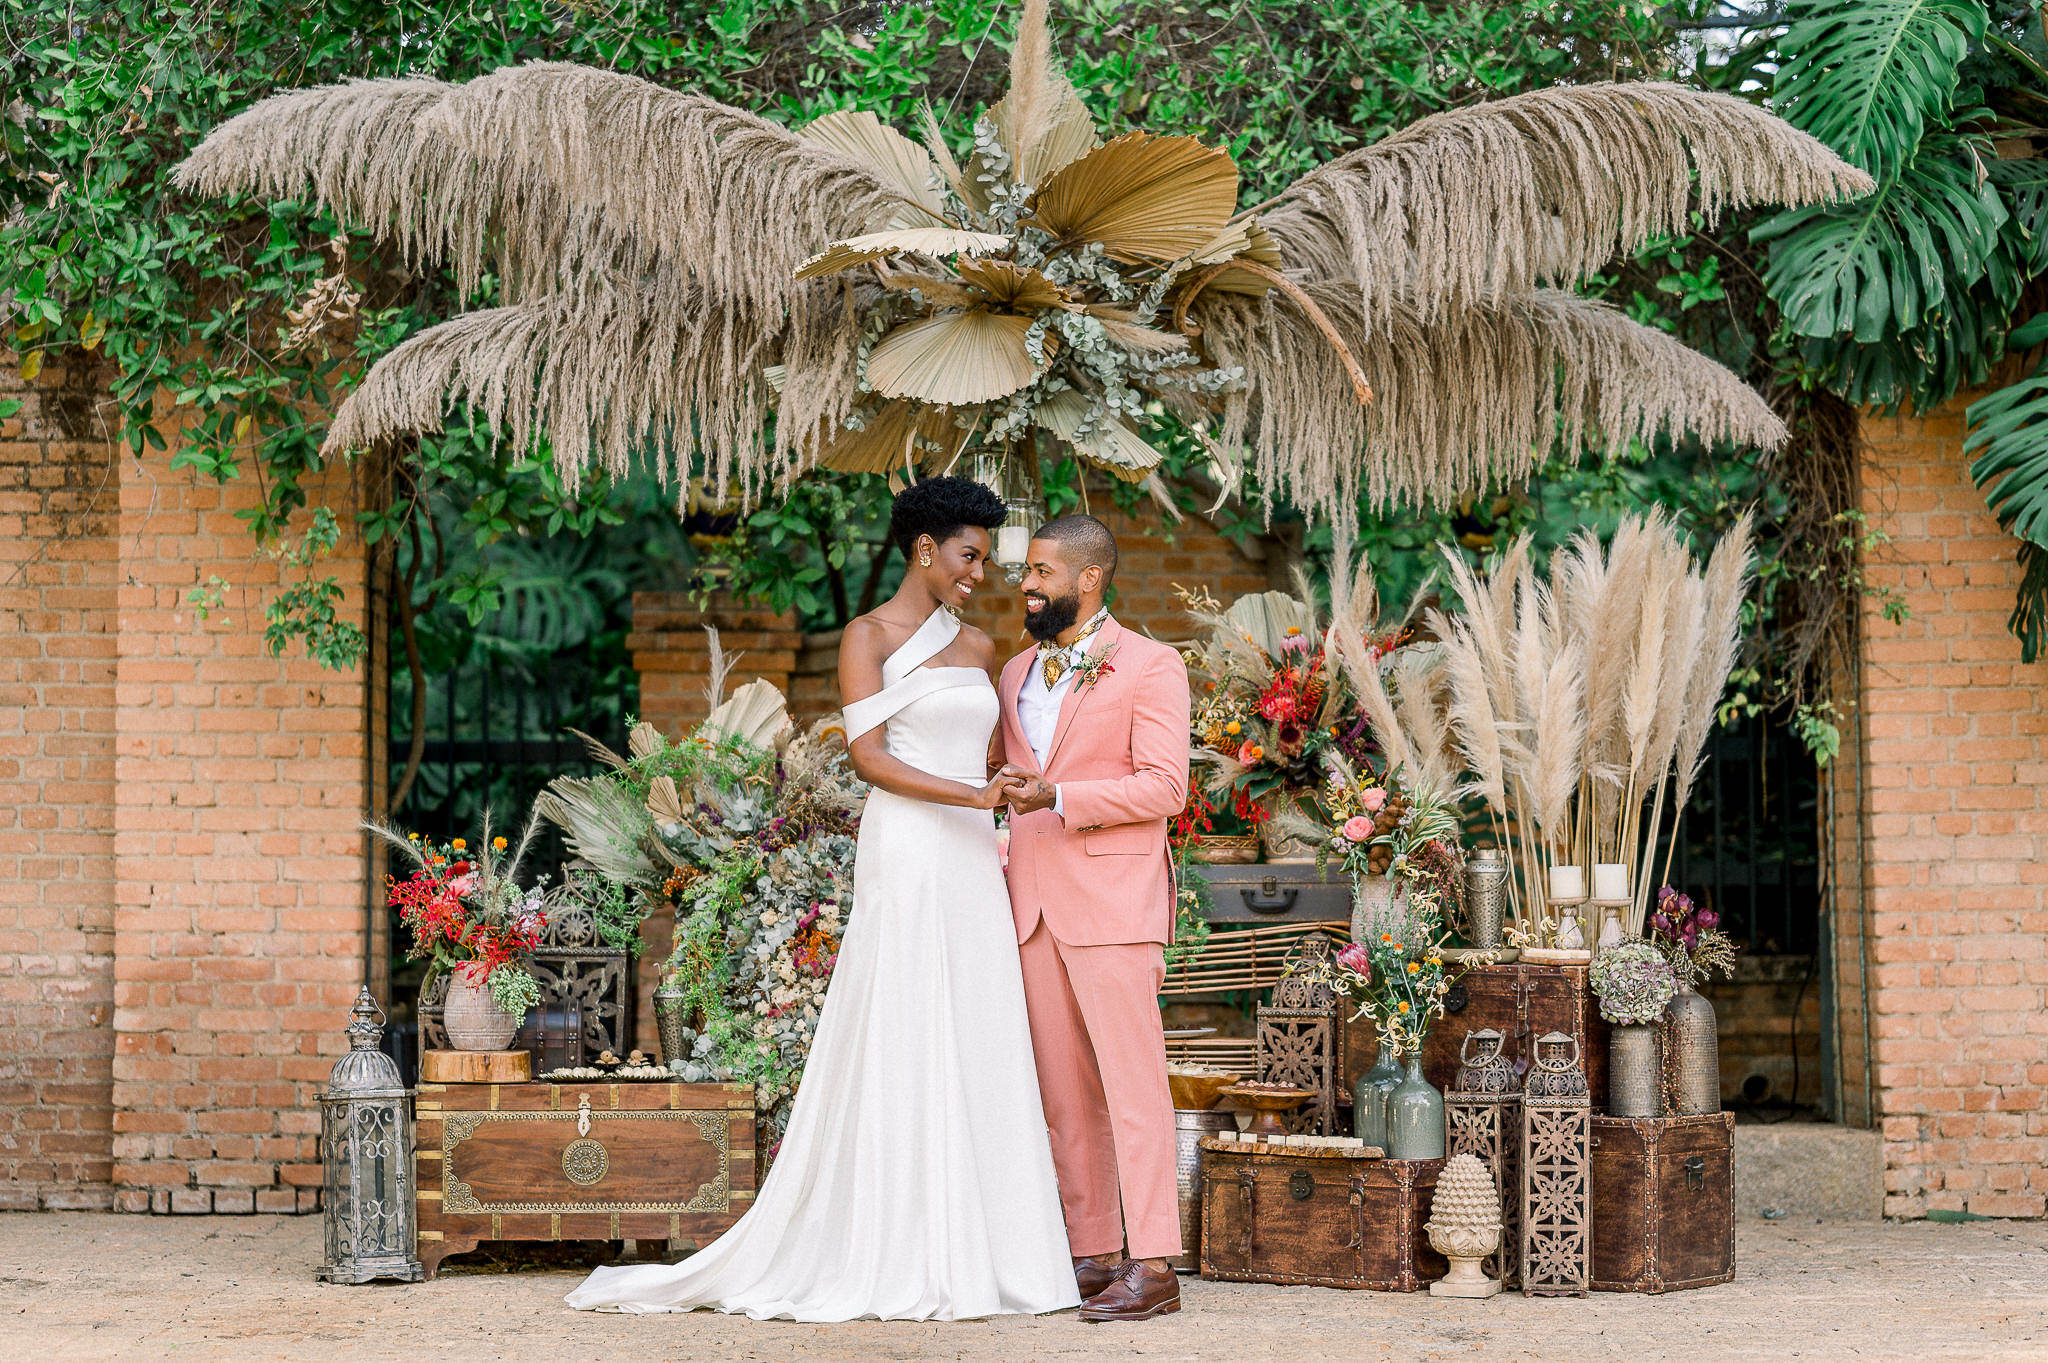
[{"x": 593, "y": 1161}]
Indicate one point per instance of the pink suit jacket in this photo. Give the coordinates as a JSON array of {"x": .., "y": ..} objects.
[{"x": 1120, "y": 758}]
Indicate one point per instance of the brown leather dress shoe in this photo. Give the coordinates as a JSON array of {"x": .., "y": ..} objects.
[
  {"x": 1092, "y": 1277},
  {"x": 1135, "y": 1293}
]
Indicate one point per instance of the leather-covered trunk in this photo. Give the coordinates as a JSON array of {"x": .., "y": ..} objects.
[
  {"x": 1663, "y": 1202},
  {"x": 1317, "y": 1218}
]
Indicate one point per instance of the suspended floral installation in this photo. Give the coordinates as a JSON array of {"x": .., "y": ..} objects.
[{"x": 1398, "y": 322}]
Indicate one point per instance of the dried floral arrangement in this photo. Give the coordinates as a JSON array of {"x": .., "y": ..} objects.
[
  {"x": 467, "y": 912},
  {"x": 1579, "y": 701},
  {"x": 1412, "y": 836},
  {"x": 1400, "y": 321},
  {"x": 1633, "y": 982},
  {"x": 746, "y": 826},
  {"x": 1272, "y": 710},
  {"x": 1690, "y": 937}
]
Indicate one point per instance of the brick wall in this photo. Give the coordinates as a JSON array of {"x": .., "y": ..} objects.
[
  {"x": 58, "y": 507},
  {"x": 1952, "y": 844},
  {"x": 182, "y": 886}
]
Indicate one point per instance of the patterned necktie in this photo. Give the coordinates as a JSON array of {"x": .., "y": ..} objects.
[{"x": 1054, "y": 664}]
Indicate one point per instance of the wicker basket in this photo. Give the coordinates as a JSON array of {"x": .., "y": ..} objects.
[{"x": 1227, "y": 849}]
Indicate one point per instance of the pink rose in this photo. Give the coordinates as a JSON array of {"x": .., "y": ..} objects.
[
  {"x": 1373, "y": 798},
  {"x": 1358, "y": 829},
  {"x": 462, "y": 885},
  {"x": 1003, "y": 846}
]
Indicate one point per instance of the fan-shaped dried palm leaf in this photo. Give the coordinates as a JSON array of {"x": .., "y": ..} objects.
[
  {"x": 1011, "y": 285},
  {"x": 664, "y": 801},
  {"x": 643, "y": 738},
  {"x": 928, "y": 241},
  {"x": 1110, "y": 444},
  {"x": 604, "y": 826},
  {"x": 1476, "y": 204},
  {"x": 1476, "y": 398},
  {"x": 861, "y": 136},
  {"x": 953, "y": 358},
  {"x": 755, "y": 713},
  {"x": 899, "y": 435},
  {"x": 1143, "y": 197}
]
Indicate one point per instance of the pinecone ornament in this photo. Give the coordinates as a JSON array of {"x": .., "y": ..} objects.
[{"x": 1464, "y": 1227}]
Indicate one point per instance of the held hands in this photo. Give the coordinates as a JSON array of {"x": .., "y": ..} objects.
[
  {"x": 1001, "y": 789},
  {"x": 1031, "y": 792}
]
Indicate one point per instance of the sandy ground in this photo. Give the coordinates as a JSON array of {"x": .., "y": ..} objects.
[{"x": 81, "y": 1286}]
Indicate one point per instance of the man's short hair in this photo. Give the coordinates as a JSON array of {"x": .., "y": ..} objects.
[{"x": 1085, "y": 540}]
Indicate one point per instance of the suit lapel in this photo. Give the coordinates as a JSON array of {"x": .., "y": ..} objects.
[{"x": 1077, "y": 694}]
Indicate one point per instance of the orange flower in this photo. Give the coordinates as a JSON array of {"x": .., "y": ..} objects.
[
  {"x": 459, "y": 844},
  {"x": 1386, "y": 937},
  {"x": 498, "y": 843},
  {"x": 1404, "y": 1007},
  {"x": 1413, "y": 968}
]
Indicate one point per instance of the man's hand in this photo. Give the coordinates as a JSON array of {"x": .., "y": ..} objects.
[{"x": 1033, "y": 792}]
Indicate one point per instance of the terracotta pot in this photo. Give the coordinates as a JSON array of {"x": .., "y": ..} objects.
[{"x": 474, "y": 1020}]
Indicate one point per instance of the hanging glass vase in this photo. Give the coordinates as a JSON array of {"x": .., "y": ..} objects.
[
  {"x": 1369, "y": 1099},
  {"x": 1415, "y": 1116}
]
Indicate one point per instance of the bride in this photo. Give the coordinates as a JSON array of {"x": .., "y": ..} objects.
[{"x": 915, "y": 1181}]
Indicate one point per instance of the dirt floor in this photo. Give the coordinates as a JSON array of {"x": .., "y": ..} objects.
[{"x": 80, "y": 1286}]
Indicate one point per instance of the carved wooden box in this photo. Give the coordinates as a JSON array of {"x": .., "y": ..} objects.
[
  {"x": 594, "y": 1161},
  {"x": 1663, "y": 1202},
  {"x": 1317, "y": 1217}
]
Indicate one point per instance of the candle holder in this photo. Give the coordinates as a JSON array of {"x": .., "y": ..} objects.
[
  {"x": 1607, "y": 922},
  {"x": 1569, "y": 948}
]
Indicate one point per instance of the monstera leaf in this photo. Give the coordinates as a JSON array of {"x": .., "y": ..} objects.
[
  {"x": 1868, "y": 76},
  {"x": 2009, "y": 436}
]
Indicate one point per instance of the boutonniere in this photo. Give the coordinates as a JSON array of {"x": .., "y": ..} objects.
[{"x": 1092, "y": 667}]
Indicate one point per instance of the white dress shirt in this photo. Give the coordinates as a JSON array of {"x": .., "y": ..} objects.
[{"x": 1038, "y": 708}]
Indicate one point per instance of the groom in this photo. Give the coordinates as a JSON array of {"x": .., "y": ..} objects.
[{"x": 1095, "y": 722}]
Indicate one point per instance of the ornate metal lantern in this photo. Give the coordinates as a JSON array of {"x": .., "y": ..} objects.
[
  {"x": 1557, "y": 1172},
  {"x": 1300, "y": 1041},
  {"x": 1483, "y": 1111},
  {"x": 366, "y": 1152}
]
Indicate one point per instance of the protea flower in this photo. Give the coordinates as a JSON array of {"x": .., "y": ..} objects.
[{"x": 1399, "y": 321}]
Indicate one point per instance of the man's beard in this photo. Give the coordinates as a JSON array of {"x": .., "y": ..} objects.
[{"x": 1054, "y": 618}]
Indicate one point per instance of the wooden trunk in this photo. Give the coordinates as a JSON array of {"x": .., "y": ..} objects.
[
  {"x": 595, "y": 1161},
  {"x": 1522, "y": 1002},
  {"x": 1663, "y": 1202},
  {"x": 1319, "y": 1218}
]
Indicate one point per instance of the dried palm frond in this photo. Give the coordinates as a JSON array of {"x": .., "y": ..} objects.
[
  {"x": 1142, "y": 196},
  {"x": 860, "y": 136},
  {"x": 1475, "y": 398},
  {"x": 1473, "y": 205},
  {"x": 665, "y": 802},
  {"x": 1109, "y": 441},
  {"x": 756, "y": 714},
  {"x": 644, "y": 739},
  {"x": 924, "y": 241},
  {"x": 954, "y": 358}
]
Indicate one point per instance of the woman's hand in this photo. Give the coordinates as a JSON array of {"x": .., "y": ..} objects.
[{"x": 997, "y": 792}]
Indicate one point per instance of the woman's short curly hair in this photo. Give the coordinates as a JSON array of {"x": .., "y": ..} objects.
[{"x": 941, "y": 508}]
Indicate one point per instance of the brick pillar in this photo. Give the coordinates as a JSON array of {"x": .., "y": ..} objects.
[
  {"x": 1953, "y": 842},
  {"x": 58, "y": 493},
  {"x": 239, "y": 916},
  {"x": 671, "y": 652}
]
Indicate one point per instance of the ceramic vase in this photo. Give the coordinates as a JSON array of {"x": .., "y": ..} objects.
[
  {"x": 1415, "y": 1116},
  {"x": 473, "y": 1018},
  {"x": 1369, "y": 1100},
  {"x": 1632, "y": 1071},
  {"x": 1695, "y": 1052}
]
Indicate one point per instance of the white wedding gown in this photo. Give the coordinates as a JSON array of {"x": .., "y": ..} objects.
[{"x": 915, "y": 1181}]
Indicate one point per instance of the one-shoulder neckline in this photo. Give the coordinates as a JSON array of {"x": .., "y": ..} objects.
[{"x": 933, "y": 646}]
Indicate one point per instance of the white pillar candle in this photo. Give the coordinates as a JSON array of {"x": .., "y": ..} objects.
[
  {"x": 1567, "y": 882},
  {"x": 1610, "y": 880},
  {"x": 1013, "y": 543}
]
